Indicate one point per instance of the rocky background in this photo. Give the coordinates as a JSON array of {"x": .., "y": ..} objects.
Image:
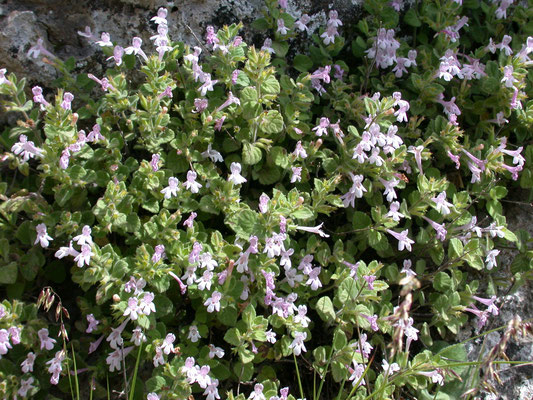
[{"x": 22, "y": 22}]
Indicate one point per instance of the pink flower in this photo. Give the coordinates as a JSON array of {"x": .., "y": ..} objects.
[
  {"x": 168, "y": 343},
  {"x": 26, "y": 148},
  {"x": 146, "y": 304},
  {"x": 213, "y": 303},
  {"x": 183, "y": 287},
  {"x": 194, "y": 335},
  {"x": 267, "y": 46},
  {"x": 439, "y": 228},
  {"x": 27, "y": 364},
  {"x": 322, "y": 128},
  {"x": 329, "y": 34},
  {"x": 263, "y": 203},
  {"x": 441, "y": 205},
  {"x": 296, "y": 174},
  {"x": 133, "y": 308},
  {"x": 93, "y": 323},
  {"x": 403, "y": 239},
  {"x": 297, "y": 344},
  {"x": 84, "y": 258},
  {"x": 46, "y": 342},
  {"x": 135, "y": 48},
  {"x": 200, "y": 105},
  {"x": 25, "y": 386},
  {"x": 105, "y": 40},
  {"x": 282, "y": 29},
  {"x": 301, "y": 24},
  {"x": 4, "y": 342}
]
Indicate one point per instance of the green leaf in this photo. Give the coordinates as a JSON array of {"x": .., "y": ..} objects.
[
  {"x": 271, "y": 122},
  {"x": 347, "y": 290},
  {"x": 151, "y": 205},
  {"x": 233, "y": 337},
  {"x": 8, "y": 273},
  {"x": 411, "y": 18},
  {"x": 442, "y": 282},
  {"x": 455, "y": 249},
  {"x": 324, "y": 307},
  {"x": 270, "y": 85},
  {"x": 228, "y": 315},
  {"x": 280, "y": 48},
  {"x": 303, "y": 213},
  {"x": 25, "y": 232},
  {"x": 63, "y": 194},
  {"x": 361, "y": 220},
  {"x": 269, "y": 175},
  {"x": 279, "y": 156},
  {"x": 244, "y": 223},
  {"x": 251, "y": 154},
  {"x": 248, "y": 94},
  {"x": 155, "y": 383},
  {"x": 508, "y": 235},
  {"x": 163, "y": 305},
  {"x": 251, "y": 109},
  {"x": 302, "y": 63},
  {"x": 246, "y": 355},
  {"x": 339, "y": 339},
  {"x": 261, "y": 24}
]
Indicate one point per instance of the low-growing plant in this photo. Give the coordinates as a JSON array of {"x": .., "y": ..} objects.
[{"x": 245, "y": 221}]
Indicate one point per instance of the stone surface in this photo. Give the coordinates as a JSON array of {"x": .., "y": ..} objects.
[
  {"x": 58, "y": 21},
  {"x": 517, "y": 381}
]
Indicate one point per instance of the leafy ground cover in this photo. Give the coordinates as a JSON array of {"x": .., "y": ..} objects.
[{"x": 239, "y": 221}]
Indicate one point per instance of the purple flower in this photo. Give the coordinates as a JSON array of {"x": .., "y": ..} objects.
[
  {"x": 46, "y": 342},
  {"x": 135, "y": 48},
  {"x": 93, "y": 323},
  {"x": 105, "y": 40},
  {"x": 441, "y": 205},
  {"x": 26, "y": 148},
  {"x": 439, "y": 228},
  {"x": 403, "y": 240},
  {"x": 188, "y": 222}
]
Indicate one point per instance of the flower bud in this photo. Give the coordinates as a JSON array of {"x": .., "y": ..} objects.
[
  {"x": 75, "y": 117},
  {"x": 209, "y": 119},
  {"x": 116, "y": 298}
]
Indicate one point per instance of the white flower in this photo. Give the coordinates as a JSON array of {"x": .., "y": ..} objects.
[
  {"x": 194, "y": 335},
  {"x": 85, "y": 256},
  {"x": 172, "y": 188},
  {"x": 85, "y": 236},
  {"x": 213, "y": 303},
  {"x": 441, "y": 204},
  {"x": 215, "y": 351},
  {"x": 235, "y": 177},
  {"x": 298, "y": 343},
  {"x": 42, "y": 236}
]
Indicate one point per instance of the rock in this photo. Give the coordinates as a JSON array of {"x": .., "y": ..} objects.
[{"x": 516, "y": 381}]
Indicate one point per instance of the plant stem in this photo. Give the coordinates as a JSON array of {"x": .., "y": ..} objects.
[
  {"x": 132, "y": 391},
  {"x": 298, "y": 375}
]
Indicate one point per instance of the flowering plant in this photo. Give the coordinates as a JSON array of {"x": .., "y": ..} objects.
[{"x": 234, "y": 207}]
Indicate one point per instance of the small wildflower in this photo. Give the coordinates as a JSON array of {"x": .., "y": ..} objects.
[{"x": 42, "y": 236}]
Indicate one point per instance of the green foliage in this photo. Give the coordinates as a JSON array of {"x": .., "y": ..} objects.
[{"x": 238, "y": 207}]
